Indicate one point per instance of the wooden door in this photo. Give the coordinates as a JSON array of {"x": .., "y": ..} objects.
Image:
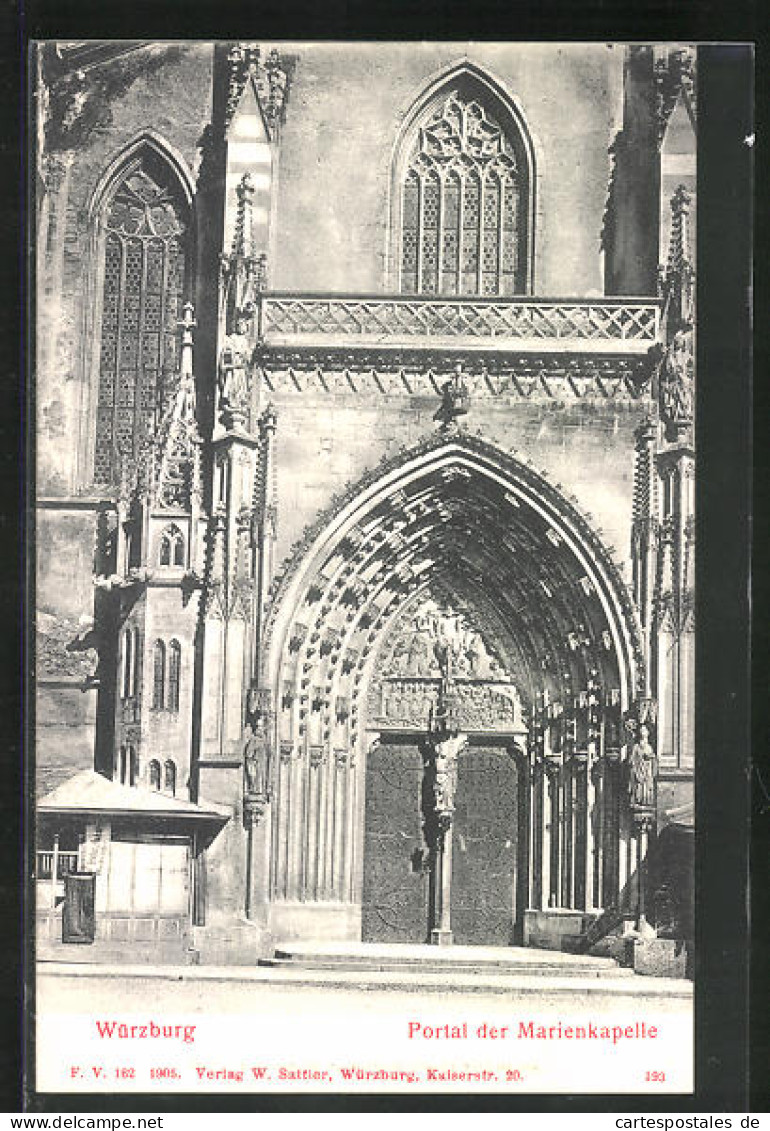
[
  {"x": 395, "y": 883},
  {"x": 485, "y": 835}
]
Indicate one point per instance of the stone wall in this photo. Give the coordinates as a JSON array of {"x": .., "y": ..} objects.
[{"x": 345, "y": 107}]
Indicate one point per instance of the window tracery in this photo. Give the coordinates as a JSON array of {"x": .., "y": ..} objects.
[
  {"x": 174, "y": 666},
  {"x": 144, "y": 262},
  {"x": 159, "y": 676},
  {"x": 171, "y": 551},
  {"x": 464, "y": 195}
]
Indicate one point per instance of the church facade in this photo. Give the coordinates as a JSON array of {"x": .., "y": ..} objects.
[{"x": 364, "y": 555}]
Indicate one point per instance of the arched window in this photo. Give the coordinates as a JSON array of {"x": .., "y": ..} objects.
[
  {"x": 122, "y": 766},
  {"x": 174, "y": 666},
  {"x": 159, "y": 676},
  {"x": 133, "y": 766},
  {"x": 169, "y": 778},
  {"x": 154, "y": 774},
  {"x": 136, "y": 662},
  {"x": 171, "y": 547},
  {"x": 464, "y": 189},
  {"x": 128, "y": 663},
  {"x": 145, "y": 224}
]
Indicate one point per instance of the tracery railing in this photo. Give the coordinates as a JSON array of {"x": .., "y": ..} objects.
[{"x": 628, "y": 325}]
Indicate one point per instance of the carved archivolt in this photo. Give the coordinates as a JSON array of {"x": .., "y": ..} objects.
[{"x": 415, "y": 527}]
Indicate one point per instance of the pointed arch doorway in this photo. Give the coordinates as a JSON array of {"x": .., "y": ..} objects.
[{"x": 457, "y": 549}]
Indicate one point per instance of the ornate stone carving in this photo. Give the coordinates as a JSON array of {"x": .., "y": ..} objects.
[
  {"x": 270, "y": 79},
  {"x": 411, "y": 704},
  {"x": 525, "y": 476},
  {"x": 256, "y": 757},
  {"x": 642, "y": 763},
  {"x": 177, "y": 478},
  {"x": 675, "y": 376},
  {"x": 66, "y": 648},
  {"x": 674, "y": 75},
  {"x": 234, "y": 377},
  {"x": 439, "y": 640},
  {"x": 297, "y": 636},
  {"x": 440, "y": 757},
  {"x": 455, "y": 400}
]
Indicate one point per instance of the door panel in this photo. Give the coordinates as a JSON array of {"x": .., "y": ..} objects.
[
  {"x": 395, "y": 889},
  {"x": 484, "y": 847}
]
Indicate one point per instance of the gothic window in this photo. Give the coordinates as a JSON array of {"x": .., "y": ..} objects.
[
  {"x": 174, "y": 666},
  {"x": 464, "y": 195},
  {"x": 133, "y": 766},
  {"x": 136, "y": 659},
  {"x": 169, "y": 778},
  {"x": 122, "y": 765},
  {"x": 159, "y": 676},
  {"x": 128, "y": 663},
  {"x": 144, "y": 261},
  {"x": 171, "y": 547},
  {"x": 154, "y": 774}
]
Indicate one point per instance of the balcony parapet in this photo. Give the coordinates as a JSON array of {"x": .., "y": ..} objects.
[{"x": 521, "y": 325}]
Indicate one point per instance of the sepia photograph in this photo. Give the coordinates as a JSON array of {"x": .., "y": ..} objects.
[{"x": 364, "y": 749}]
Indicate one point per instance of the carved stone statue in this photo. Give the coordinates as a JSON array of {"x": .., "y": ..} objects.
[
  {"x": 256, "y": 758},
  {"x": 445, "y": 775},
  {"x": 234, "y": 374},
  {"x": 675, "y": 382},
  {"x": 642, "y": 764},
  {"x": 454, "y": 400}
]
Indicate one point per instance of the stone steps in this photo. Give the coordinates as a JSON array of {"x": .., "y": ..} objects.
[{"x": 454, "y": 962}]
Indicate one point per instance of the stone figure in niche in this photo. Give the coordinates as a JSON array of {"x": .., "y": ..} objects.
[
  {"x": 256, "y": 759},
  {"x": 234, "y": 373},
  {"x": 455, "y": 400},
  {"x": 675, "y": 378},
  {"x": 642, "y": 764}
]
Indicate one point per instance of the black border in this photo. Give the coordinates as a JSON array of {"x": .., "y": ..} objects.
[{"x": 724, "y": 494}]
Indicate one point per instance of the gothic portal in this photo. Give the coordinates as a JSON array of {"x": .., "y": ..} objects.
[{"x": 365, "y": 556}]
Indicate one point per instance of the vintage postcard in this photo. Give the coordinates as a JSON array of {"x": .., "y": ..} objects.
[{"x": 365, "y": 555}]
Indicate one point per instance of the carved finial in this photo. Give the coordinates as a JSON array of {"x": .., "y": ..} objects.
[
  {"x": 270, "y": 80},
  {"x": 674, "y": 75},
  {"x": 243, "y": 236}
]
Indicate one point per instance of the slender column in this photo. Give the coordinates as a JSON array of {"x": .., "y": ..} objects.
[
  {"x": 297, "y": 823},
  {"x": 537, "y": 822},
  {"x": 545, "y": 838},
  {"x": 590, "y": 839},
  {"x": 632, "y": 855},
  {"x": 338, "y": 817},
  {"x": 442, "y": 770},
  {"x": 600, "y": 801},
  {"x": 441, "y": 889},
  {"x": 555, "y": 861},
  {"x": 643, "y": 823}
]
